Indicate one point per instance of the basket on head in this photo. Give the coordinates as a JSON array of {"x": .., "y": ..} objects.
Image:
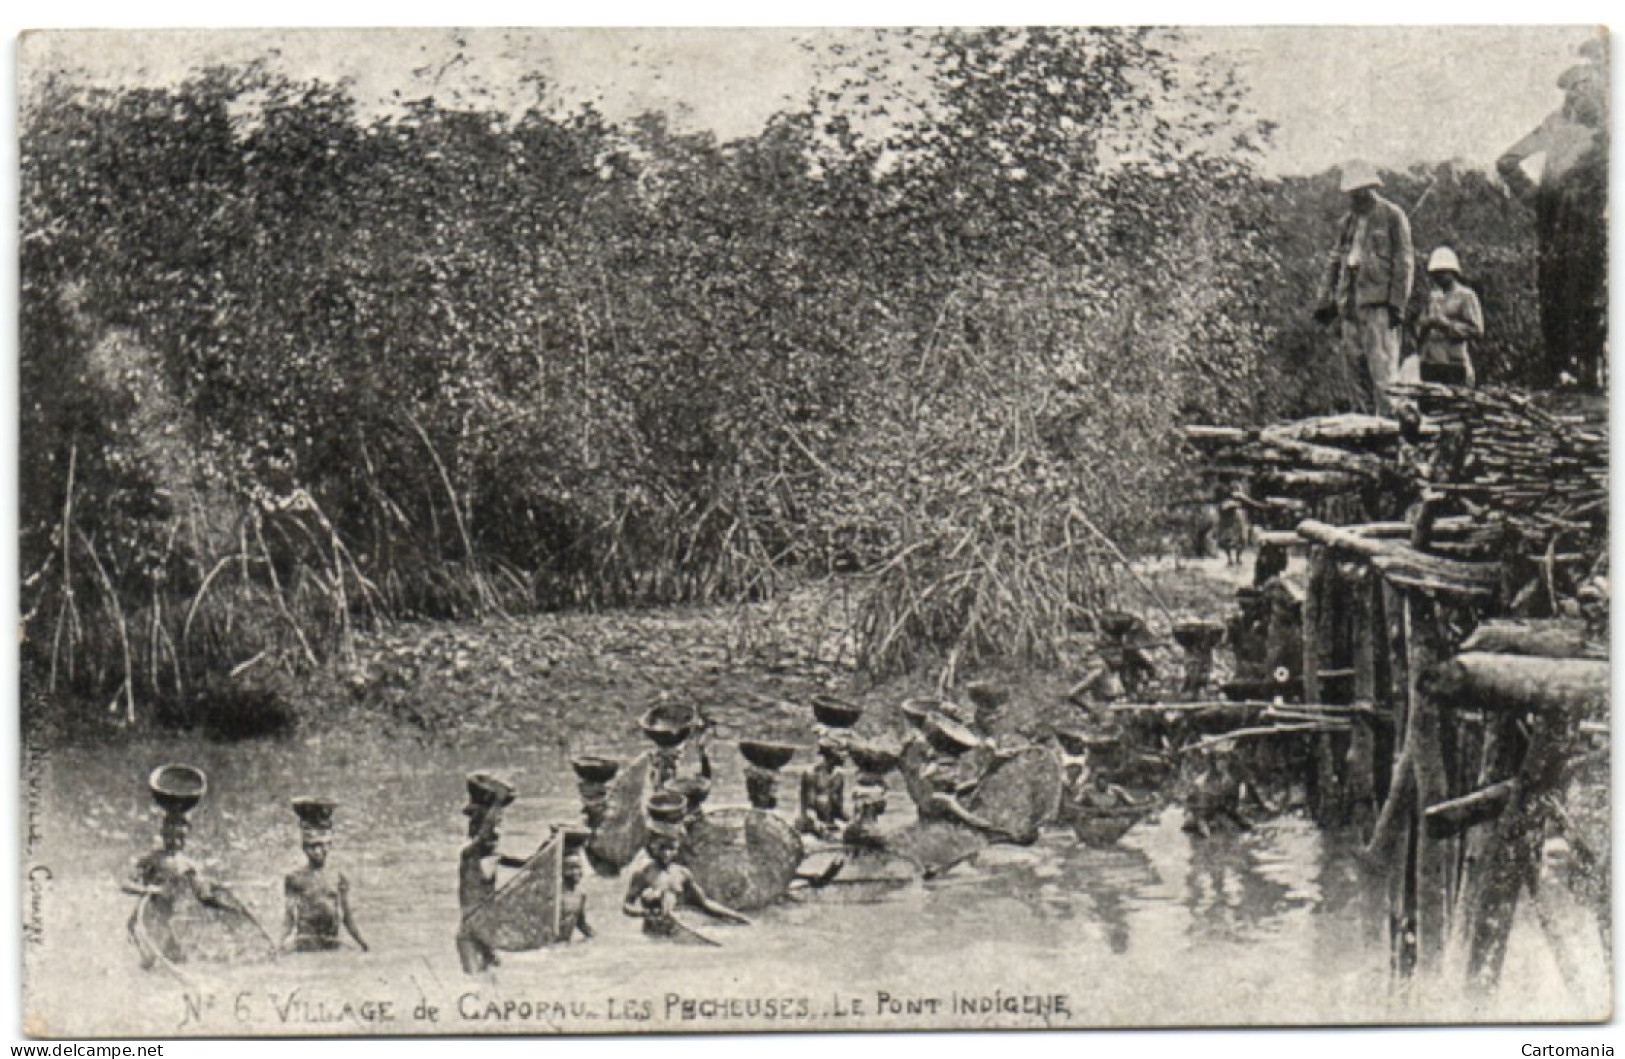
[
  {"x": 575, "y": 837},
  {"x": 595, "y": 768},
  {"x": 486, "y": 792},
  {"x": 694, "y": 789},
  {"x": 1119, "y": 624},
  {"x": 766, "y": 755},
  {"x": 1198, "y": 634},
  {"x": 666, "y": 807},
  {"x": 835, "y": 713},
  {"x": 915, "y": 711},
  {"x": 177, "y": 788},
  {"x": 315, "y": 816},
  {"x": 668, "y": 724},
  {"x": 949, "y": 736},
  {"x": 986, "y": 695},
  {"x": 664, "y": 829},
  {"x": 874, "y": 760}
]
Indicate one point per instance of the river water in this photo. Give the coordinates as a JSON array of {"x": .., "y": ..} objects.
[{"x": 1274, "y": 926}]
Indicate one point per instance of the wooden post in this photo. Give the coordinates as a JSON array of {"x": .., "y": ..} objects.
[
  {"x": 1318, "y": 582},
  {"x": 1397, "y": 694},
  {"x": 1513, "y": 860},
  {"x": 1314, "y": 578},
  {"x": 1390, "y": 848},
  {"x": 1510, "y": 861},
  {"x": 1335, "y": 636},
  {"x": 1402, "y": 899},
  {"x": 1435, "y": 856},
  {"x": 1361, "y": 762}
]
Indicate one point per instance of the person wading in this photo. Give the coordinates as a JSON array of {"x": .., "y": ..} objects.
[
  {"x": 168, "y": 876},
  {"x": 477, "y": 866},
  {"x": 317, "y": 900},
  {"x": 954, "y": 776},
  {"x": 1367, "y": 286},
  {"x": 660, "y": 885},
  {"x": 823, "y": 792},
  {"x": 573, "y": 903}
]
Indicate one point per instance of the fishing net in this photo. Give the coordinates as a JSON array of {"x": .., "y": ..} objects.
[
  {"x": 621, "y": 835},
  {"x": 935, "y": 845},
  {"x": 204, "y": 933},
  {"x": 742, "y": 858},
  {"x": 524, "y": 913},
  {"x": 1021, "y": 792}
]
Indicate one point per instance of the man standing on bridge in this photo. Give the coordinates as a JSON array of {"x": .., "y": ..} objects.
[
  {"x": 1570, "y": 200},
  {"x": 1367, "y": 286}
]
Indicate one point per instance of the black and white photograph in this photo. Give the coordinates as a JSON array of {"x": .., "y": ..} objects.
[{"x": 607, "y": 531}]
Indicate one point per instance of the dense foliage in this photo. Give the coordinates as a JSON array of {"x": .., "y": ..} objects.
[{"x": 289, "y": 364}]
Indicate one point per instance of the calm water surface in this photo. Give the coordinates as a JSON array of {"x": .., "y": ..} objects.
[{"x": 1271, "y": 926}]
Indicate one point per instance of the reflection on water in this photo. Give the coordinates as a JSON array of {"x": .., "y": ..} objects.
[{"x": 1270, "y": 925}]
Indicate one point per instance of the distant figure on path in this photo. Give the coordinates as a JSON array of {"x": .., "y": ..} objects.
[
  {"x": 1233, "y": 529},
  {"x": 1449, "y": 321},
  {"x": 1571, "y": 227},
  {"x": 317, "y": 901},
  {"x": 1367, "y": 286}
]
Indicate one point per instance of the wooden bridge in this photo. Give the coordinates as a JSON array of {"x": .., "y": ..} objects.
[{"x": 1440, "y": 581}]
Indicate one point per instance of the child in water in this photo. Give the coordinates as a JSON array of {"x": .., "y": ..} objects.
[
  {"x": 573, "y": 903},
  {"x": 317, "y": 901},
  {"x": 661, "y": 885},
  {"x": 868, "y": 805},
  {"x": 823, "y": 793}
]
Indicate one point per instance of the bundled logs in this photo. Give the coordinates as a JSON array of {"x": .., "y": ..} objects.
[
  {"x": 1354, "y": 445},
  {"x": 1529, "y": 481},
  {"x": 1331, "y": 467},
  {"x": 1489, "y": 479}
]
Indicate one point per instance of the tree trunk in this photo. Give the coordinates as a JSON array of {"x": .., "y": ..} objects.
[
  {"x": 1406, "y": 565},
  {"x": 1520, "y": 682},
  {"x": 1435, "y": 858},
  {"x": 1544, "y": 638},
  {"x": 1361, "y": 761}
]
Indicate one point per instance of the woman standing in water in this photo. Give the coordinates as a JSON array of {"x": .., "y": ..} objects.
[
  {"x": 317, "y": 901},
  {"x": 661, "y": 885}
]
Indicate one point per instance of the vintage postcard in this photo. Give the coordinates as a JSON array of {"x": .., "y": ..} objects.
[{"x": 622, "y": 531}]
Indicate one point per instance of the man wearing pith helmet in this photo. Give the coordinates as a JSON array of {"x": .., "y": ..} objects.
[
  {"x": 1367, "y": 285},
  {"x": 1450, "y": 320}
]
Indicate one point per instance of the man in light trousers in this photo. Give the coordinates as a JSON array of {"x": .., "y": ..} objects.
[{"x": 1367, "y": 285}]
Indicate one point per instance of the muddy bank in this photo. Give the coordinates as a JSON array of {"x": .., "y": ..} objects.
[{"x": 570, "y": 680}]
